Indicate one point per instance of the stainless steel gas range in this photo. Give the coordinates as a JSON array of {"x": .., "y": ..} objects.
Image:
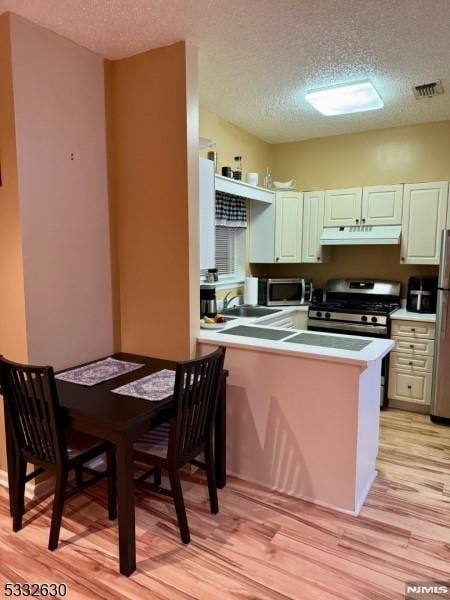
[{"x": 358, "y": 307}]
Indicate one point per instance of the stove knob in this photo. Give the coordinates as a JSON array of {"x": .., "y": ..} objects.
[
  {"x": 327, "y": 315},
  {"x": 318, "y": 314},
  {"x": 364, "y": 318},
  {"x": 374, "y": 320}
]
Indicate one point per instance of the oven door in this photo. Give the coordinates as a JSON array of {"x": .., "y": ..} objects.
[
  {"x": 285, "y": 292},
  {"x": 373, "y": 331}
]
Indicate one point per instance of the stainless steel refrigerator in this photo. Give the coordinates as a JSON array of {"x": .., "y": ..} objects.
[{"x": 440, "y": 402}]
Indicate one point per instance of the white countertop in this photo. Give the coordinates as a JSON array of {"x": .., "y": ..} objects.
[
  {"x": 376, "y": 349},
  {"x": 405, "y": 315}
]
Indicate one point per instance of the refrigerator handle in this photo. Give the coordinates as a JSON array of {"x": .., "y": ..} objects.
[
  {"x": 444, "y": 262},
  {"x": 443, "y": 316}
]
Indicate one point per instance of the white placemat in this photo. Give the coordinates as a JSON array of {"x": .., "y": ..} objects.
[
  {"x": 154, "y": 387},
  {"x": 99, "y": 371}
]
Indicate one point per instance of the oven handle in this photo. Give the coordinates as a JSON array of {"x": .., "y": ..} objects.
[{"x": 348, "y": 327}]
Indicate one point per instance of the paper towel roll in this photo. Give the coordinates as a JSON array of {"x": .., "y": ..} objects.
[{"x": 251, "y": 291}]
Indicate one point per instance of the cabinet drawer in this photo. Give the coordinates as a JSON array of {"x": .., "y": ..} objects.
[
  {"x": 411, "y": 363},
  {"x": 413, "y": 346},
  {"x": 410, "y": 387},
  {"x": 415, "y": 329}
]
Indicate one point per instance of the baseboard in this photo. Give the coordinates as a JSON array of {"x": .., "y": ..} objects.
[
  {"x": 359, "y": 503},
  {"x": 33, "y": 490},
  {"x": 353, "y": 513},
  {"x": 410, "y": 406}
]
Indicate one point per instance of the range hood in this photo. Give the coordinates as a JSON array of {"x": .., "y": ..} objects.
[{"x": 358, "y": 236}]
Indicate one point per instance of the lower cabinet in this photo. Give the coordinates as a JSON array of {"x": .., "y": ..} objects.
[
  {"x": 410, "y": 386},
  {"x": 411, "y": 365},
  {"x": 296, "y": 319}
]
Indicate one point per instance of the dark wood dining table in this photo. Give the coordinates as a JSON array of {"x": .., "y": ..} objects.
[{"x": 122, "y": 419}]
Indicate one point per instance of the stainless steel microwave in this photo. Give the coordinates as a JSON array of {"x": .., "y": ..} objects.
[{"x": 284, "y": 292}]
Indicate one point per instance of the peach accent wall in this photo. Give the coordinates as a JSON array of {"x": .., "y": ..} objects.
[
  {"x": 149, "y": 99},
  {"x": 13, "y": 339},
  {"x": 61, "y": 143}
]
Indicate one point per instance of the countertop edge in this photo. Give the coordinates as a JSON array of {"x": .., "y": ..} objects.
[
  {"x": 402, "y": 314},
  {"x": 297, "y": 352}
]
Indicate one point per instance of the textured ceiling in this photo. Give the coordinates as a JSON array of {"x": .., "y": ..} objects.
[{"x": 259, "y": 57}]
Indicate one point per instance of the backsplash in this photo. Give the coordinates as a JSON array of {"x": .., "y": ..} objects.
[{"x": 373, "y": 262}]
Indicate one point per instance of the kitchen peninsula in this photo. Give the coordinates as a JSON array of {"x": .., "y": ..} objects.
[{"x": 302, "y": 409}]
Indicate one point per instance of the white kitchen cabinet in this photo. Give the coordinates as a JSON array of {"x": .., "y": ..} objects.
[
  {"x": 295, "y": 319},
  {"x": 424, "y": 217},
  {"x": 411, "y": 365},
  {"x": 276, "y": 229},
  {"x": 343, "y": 207},
  {"x": 382, "y": 205},
  {"x": 414, "y": 387},
  {"x": 288, "y": 227},
  {"x": 313, "y": 213},
  {"x": 413, "y": 329},
  {"x": 207, "y": 204}
]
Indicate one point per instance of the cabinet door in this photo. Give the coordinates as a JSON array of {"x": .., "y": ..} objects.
[
  {"x": 207, "y": 201},
  {"x": 343, "y": 207},
  {"x": 382, "y": 205},
  {"x": 410, "y": 387},
  {"x": 262, "y": 233},
  {"x": 413, "y": 329},
  {"x": 288, "y": 227},
  {"x": 313, "y": 212},
  {"x": 424, "y": 217}
]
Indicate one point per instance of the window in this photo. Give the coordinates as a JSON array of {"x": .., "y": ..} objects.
[{"x": 230, "y": 252}]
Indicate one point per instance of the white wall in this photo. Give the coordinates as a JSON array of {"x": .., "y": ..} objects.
[{"x": 60, "y": 110}]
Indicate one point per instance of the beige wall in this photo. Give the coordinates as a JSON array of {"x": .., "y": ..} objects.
[
  {"x": 397, "y": 155},
  {"x": 13, "y": 340},
  {"x": 148, "y": 101},
  {"x": 233, "y": 141},
  {"x": 379, "y": 262},
  {"x": 61, "y": 154}
]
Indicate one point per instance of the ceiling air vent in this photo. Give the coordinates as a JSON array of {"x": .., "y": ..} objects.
[{"x": 428, "y": 90}]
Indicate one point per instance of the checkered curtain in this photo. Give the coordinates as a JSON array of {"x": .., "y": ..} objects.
[{"x": 231, "y": 210}]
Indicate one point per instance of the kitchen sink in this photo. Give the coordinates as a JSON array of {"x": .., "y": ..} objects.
[{"x": 248, "y": 311}]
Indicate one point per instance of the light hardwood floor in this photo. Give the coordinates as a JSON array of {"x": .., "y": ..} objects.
[{"x": 262, "y": 544}]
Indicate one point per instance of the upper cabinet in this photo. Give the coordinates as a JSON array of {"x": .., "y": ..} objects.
[
  {"x": 343, "y": 207},
  {"x": 288, "y": 227},
  {"x": 374, "y": 205},
  {"x": 424, "y": 217},
  {"x": 313, "y": 211},
  {"x": 276, "y": 230},
  {"x": 382, "y": 205},
  {"x": 207, "y": 202}
]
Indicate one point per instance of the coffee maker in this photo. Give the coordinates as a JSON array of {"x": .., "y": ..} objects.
[
  {"x": 208, "y": 302},
  {"x": 422, "y": 294}
]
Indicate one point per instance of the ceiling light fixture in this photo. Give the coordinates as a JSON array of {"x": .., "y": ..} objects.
[{"x": 345, "y": 98}]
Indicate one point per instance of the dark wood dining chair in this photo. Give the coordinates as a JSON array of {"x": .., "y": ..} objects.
[
  {"x": 40, "y": 436},
  {"x": 189, "y": 433}
]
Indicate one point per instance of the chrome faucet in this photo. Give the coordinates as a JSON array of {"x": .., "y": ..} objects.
[{"x": 227, "y": 301}]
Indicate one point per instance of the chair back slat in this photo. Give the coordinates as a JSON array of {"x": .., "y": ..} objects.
[
  {"x": 34, "y": 415},
  {"x": 197, "y": 387}
]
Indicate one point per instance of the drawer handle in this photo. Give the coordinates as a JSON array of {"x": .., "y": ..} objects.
[
  {"x": 409, "y": 387},
  {"x": 410, "y": 363},
  {"x": 411, "y": 345},
  {"x": 413, "y": 329}
]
